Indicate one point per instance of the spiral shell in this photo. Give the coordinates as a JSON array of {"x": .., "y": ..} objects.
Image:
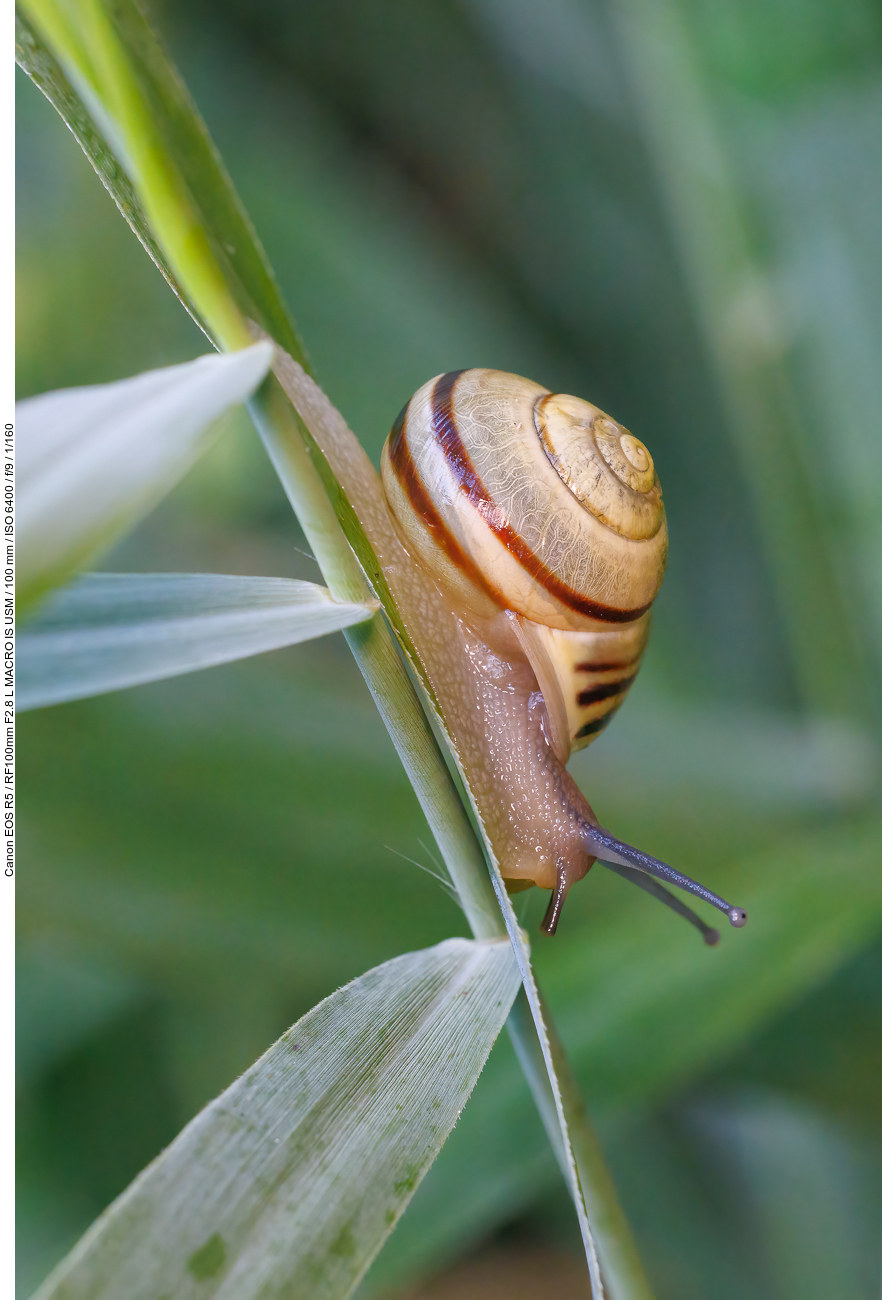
[{"x": 537, "y": 503}]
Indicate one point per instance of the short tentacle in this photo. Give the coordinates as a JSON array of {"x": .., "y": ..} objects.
[{"x": 556, "y": 902}]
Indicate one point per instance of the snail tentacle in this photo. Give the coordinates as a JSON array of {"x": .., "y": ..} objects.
[
  {"x": 556, "y": 902},
  {"x": 610, "y": 850}
]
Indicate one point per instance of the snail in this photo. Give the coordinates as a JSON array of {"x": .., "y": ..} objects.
[
  {"x": 517, "y": 540},
  {"x": 538, "y": 521}
]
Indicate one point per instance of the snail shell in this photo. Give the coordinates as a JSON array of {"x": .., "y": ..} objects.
[{"x": 538, "y": 504}]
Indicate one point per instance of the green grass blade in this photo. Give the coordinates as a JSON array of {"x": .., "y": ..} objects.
[
  {"x": 103, "y": 70},
  {"x": 92, "y": 461},
  {"x": 288, "y": 1184},
  {"x": 37, "y": 60},
  {"x": 107, "y": 631},
  {"x": 606, "y": 1236},
  {"x": 135, "y": 108},
  {"x": 375, "y": 650},
  {"x": 622, "y": 1269}
]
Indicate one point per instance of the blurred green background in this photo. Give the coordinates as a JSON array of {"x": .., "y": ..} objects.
[{"x": 674, "y": 209}]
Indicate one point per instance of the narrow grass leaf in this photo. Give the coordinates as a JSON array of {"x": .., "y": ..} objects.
[
  {"x": 35, "y": 58},
  {"x": 92, "y": 461},
  {"x": 107, "y": 631},
  {"x": 288, "y": 1184},
  {"x": 103, "y": 69}
]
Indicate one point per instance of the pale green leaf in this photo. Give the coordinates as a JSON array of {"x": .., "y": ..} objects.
[
  {"x": 288, "y": 1184},
  {"x": 92, "y": 461},
  {"x": 110, "y": 630}
]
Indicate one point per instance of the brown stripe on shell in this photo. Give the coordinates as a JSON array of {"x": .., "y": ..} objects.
[
  {"x": 413, "y": 487},
  {"x": 457, "y": 458},
  {"x": 599, "y": 724},
  {"x": 597, "y": 693}
]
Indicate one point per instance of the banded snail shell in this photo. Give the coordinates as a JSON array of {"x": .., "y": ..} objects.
[{"x": 539, "y": 504}]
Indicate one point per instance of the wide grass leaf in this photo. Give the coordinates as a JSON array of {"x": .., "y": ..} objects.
[
  {"x": 94, "y": 460},
  {"x": 110, "y": 630},
  {"x": 289, "y": 1182}
]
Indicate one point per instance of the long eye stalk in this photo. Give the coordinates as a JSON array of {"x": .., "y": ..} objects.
[{"x": 611, "y": 851}]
